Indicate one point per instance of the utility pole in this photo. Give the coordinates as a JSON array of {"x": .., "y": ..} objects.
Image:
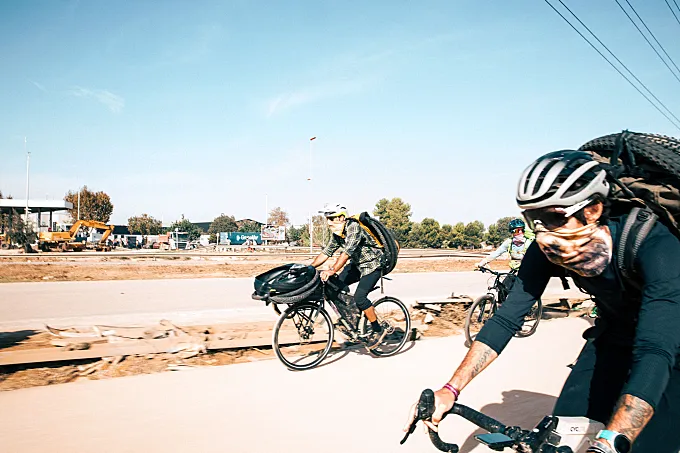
[
  {"x": 28, "y": 166},
  {"x": 311, "y": 224}
]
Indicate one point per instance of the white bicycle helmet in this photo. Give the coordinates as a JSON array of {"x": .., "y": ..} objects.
[
  {"x": 561, "y": 178},
  {"x": 334, "y": 210}
]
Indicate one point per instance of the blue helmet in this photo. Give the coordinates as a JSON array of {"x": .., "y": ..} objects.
[{"x": 516, "y": 223}]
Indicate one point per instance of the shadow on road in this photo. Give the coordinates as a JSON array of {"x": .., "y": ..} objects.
[
  {"x": 336, "y": 354},
  {"x": 8, "y": 339},
  {"x": 519, "y": 408}
]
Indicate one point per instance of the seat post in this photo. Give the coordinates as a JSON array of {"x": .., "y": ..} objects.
[{"x": 382, "y": 286}]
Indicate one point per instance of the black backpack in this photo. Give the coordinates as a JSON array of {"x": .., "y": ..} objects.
[
  {"x": 383, "y": 237},
  {"x": 644, "y": 170}
]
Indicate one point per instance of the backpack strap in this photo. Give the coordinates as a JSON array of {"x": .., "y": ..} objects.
[
  {"x": 638, "y": 225},
  {"x": 362, "y": 220}
]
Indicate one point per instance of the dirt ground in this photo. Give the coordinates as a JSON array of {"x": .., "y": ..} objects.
[
  {"x": 449, "y": 322},
  {"x": 12, "y": 271}
]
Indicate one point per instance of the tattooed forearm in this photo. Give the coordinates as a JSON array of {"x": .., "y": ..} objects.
[
  {"x": 630, "y": 416},
  {"x": 478, "y": 357}
]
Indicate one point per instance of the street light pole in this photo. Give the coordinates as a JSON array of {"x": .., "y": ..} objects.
[
  {"x": 28, "y": 166},
  {"x": 311, "y": 224}
]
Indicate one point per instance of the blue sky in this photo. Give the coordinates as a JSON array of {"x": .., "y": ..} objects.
[{"x": 202, "y": 108}]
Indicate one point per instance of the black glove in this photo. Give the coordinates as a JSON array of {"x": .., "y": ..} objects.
[{"x": 600, "y": 447}]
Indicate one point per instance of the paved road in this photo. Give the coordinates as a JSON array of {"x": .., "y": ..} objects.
[
  {"x": 30, "y": 305},
  {"x": 355, "y": 403}
]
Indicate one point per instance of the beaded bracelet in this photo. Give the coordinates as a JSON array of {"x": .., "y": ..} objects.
[{"x": 452, "y": 389}]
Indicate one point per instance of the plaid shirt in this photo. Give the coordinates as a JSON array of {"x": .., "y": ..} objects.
[{"x": 362, "y": 249}]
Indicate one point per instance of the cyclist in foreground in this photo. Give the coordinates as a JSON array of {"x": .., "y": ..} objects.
[
  {"x": 516, "y": 246},
  {"x": 627, "y": 375},
  {"x": 364, "y": 256}
]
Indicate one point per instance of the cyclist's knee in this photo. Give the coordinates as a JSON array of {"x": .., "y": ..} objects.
[{"x": 362, "y": 301}]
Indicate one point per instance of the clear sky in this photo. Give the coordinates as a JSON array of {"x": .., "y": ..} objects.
[{"x": 202, "y": 108}]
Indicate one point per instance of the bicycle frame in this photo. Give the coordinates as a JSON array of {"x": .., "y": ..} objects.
[{"x": 501, "y": 291}]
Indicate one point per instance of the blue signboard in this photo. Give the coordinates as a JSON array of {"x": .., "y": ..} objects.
[{"x": 240, "y": 238}]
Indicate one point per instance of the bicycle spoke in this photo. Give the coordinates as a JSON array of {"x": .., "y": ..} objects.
[
  {"x": 302, "y": 337},
  {"x": 393, "y": 317}
]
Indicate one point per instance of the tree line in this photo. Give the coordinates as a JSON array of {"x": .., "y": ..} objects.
[{"x": 394, "y": 213}]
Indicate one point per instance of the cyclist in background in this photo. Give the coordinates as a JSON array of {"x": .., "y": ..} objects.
[
  {"x": 359, "y": 261},
  {"x": 516, "y": 246}
]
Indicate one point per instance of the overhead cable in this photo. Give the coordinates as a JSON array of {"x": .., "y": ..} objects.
[
  {"x": 675, "y": 122},
  {"x": 646, "y": 39}
]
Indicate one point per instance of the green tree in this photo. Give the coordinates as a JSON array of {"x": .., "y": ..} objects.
[
  {"x": 396, "y": 215},
  {"x": 279, "y": 217},
  {"x": 185, "y": 226},
  {"x": 473, "y": 234},
  {"x": 144, "y": 224},
  {"x": 249, "y": 226},
  {"x": 426, "y": 234},
  {"x": 321, "y": 232},
  {"x": 498, "y": 232},
  {"x": 222, "y": 224},
  {"x": 456, "y": 237},
  {"x": 294, "y": 234},
  {"x": 21, "y": 234},
  {"x": 93, "y": 205},
  {"x": 446, "y": 234}
]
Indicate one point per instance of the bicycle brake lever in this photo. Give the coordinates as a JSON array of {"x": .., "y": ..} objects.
[{"x": 425, "y": 409}]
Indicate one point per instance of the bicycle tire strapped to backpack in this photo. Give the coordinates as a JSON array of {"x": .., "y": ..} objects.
[{"x": 645, "y": 172}]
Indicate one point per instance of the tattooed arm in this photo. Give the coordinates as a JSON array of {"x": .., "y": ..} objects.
[
  {"x": 630, "y": 416},
  {"x": 478, "y": 357}
]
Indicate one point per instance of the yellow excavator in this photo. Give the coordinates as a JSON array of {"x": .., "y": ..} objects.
[
  {"x": 65, "y": 241},
  {"x": 5, "y": 242}
]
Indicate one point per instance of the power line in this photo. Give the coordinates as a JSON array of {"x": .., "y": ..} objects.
[
  {"x": 648, "y": 42},
  {"x": 613, "y": 65},
  {"x": 673, "y": 11}
]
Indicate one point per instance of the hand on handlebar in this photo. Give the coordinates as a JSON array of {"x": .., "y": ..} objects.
[
  {"x": 443, "y": 402},
  {"x": 325, "y": 275}
]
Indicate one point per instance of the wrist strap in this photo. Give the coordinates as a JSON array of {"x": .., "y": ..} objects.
[
  {"x": 452, "y": 389},
  {"x": 600, "y": 447}
]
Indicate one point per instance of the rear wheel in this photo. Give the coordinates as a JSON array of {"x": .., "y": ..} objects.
[
  {"x": 481, "y": 310},
  {"x": 531, "y": 320},
  {"x": 303, "y": 336},
  {"x": 394, "y": 316}
]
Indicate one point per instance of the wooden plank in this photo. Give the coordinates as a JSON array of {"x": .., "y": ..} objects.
[
  {"x": 131, "y": 347},
  {"x": 256, "y": 335},
  {"x": 140, "y": 347}
]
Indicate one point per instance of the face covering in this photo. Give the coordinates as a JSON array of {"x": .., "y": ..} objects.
[
  {"x": 337, "y": 227},
  {"x": 518, "y": 239},
  {"x": 586, "y": 250}
]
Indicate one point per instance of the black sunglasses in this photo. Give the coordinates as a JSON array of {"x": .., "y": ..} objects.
[
  {"x": 553, "y": 217},
  {"x": 550, "y": 219}
]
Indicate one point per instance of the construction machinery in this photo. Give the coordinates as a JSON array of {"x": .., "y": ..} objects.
[
  {"x": 5, "y": 242},
  {"x": 65, "y": 241}
]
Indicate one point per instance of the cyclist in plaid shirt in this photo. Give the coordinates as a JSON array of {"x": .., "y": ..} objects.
[{"x": 365, "y": 263}]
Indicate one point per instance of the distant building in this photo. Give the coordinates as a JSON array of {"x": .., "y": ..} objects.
[{"x": 203, "y": 226}]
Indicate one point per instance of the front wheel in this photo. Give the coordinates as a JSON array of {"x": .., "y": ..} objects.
[
  {"x": 531, "y": 320},
  {"x": 303, "y": 336},
  {"x": 481, "y": 310},
  {"x": 394, "y": 316}
]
